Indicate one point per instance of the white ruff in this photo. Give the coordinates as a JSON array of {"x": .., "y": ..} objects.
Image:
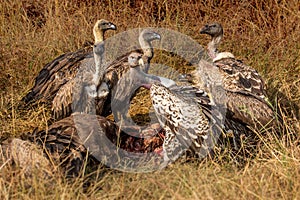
[{"x": 222, "y": 55}]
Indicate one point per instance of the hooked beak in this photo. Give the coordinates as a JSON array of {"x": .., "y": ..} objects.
[
  {"x": 157, "y": 36},
  {"x": 112, "y": 26}
]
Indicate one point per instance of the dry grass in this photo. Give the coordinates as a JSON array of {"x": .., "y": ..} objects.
[{"x": 263, "y": 34}]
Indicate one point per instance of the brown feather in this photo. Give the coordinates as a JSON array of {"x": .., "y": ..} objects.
[
  {"x": 27, "y": 156},
  {"x": 68, "y": 142}
]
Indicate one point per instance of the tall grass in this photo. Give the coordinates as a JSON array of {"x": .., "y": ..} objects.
[{"x": 264, "y": 34}]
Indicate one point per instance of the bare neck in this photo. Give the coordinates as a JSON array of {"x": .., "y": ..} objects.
[
  {"x": 213, "y": 46},
  {"x": 99, "y": 72},
  {"x": 146, "y": 47},
  {"x": 99, "y": 36},
  {"x": 147, "y": 54}
]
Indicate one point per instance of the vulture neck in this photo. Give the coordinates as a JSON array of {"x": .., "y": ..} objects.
[
  {"x": 99, "y": 72},
  {"x": 146, "y": 47},
  {"x": 213, "y": 46},
  {"x": 99, "y": 35},
  {"x": 147, "y": 53}
]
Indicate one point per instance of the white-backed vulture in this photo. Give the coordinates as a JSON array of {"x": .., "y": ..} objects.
[
  {"x": 245, "y": 89},
  {"x": 119, "y": 67},
  {"x": 194, "y": 125},
  {"x": 238, "y": 77},
  {"x": 78, "y": 94},
  {"x": 64, "y": 68},
  {"x": 62, "y": 143},
  {"x": 127, "y": 85},
  {"x": 188, "y": 122}
]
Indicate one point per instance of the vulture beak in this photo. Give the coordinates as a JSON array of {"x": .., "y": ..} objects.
[
  {"x": 112, "y": 26},
  {"x": 156, "y": 36}
]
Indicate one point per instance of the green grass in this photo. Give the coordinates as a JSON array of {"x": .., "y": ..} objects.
[{"x": 264, "y": 35}]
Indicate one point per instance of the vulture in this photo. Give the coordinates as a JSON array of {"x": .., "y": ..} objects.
[
  {"x": 81, "y": 141},
  {"x": 78, "y": 94},
  {"x": 121, "y": 88},
  {"x": 64, "y": 68},
  {"x": 246, "y": 98},
  {"x": 194, "y": 124},
  {"x": 59, "y": 147},
  {"x": 190, "y": 122},
  {"x": 93, "y": 138}
]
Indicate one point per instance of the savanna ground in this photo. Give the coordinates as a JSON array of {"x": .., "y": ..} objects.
[{"x": 264, "y": 34}]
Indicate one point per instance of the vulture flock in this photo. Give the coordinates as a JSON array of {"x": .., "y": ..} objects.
[{"x": 193, "y": 119}]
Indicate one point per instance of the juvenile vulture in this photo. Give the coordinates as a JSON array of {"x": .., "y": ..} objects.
[
  {"x": 245, "y": 89},
  {"x": 64, "y": 68},
  {"x": 238, "y": 77}
]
